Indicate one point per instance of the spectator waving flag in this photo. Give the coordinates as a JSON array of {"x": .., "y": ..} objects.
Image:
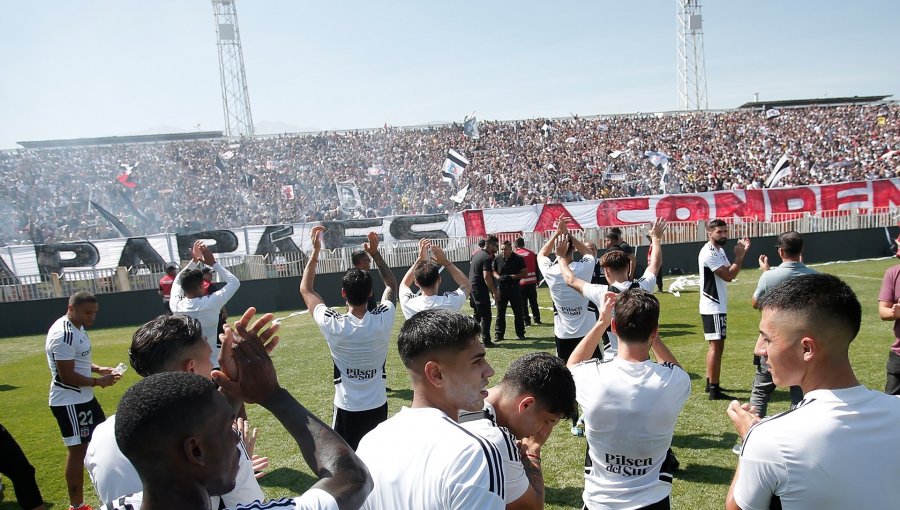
[
  {"x": 470, "y": 127},
  {"x": 771, "y": 113},
  {"x": 220, "y": 165},
  {"x": 113, "y": 220},
  {"x": 656, "y": 158},
  {"x": 124, "y": 178},
  {"x": 460, "y": 195},
  {"x": 453, "y": 167},
  {"x": 782, "y": 169}
]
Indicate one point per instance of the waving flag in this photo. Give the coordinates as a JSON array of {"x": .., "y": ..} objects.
[
  {"x": 460, "y": 195},
  {"x": 470, "y": 127},
  {"x": 123, "y": 230},
  {"x": 348, "y": 195},
  {"x": 782, "y": 169},
  {"x": 453, "y": 167}
]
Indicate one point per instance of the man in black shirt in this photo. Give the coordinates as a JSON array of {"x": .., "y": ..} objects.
[
  {"x": 614, "y": 242},
  {"x": 509, "y": 269},
  {"x": 481, "y": 277}
]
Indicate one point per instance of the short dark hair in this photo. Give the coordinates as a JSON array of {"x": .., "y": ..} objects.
[
  {"x": 714, "y": 224},
  {"x": 158, "y": 344},
  {"x": 636, "y": 315},
  {"x": 191, "y": 280},
  {"x": 427, "y": 273},
  {"x": 791, "y": 243},
  {"x": 81, "y": 297},
  {"x": 614, "y": 234},
  {"x": 507, "y": 243},
  {"x": 481, "y": 243},
  {"x": 614, "y": 259},
  {"x": 357, "y": 285},
  {"x": 545, "y": 377},
  {"x": 160, "y": 407},
  {"x": 520, "y": 243},
  {"x": 358, "y": 256},
  {"x": 492, "y": 239},
  {"x": 435, "y": 330},
  {"x": 821, "y": 299}
]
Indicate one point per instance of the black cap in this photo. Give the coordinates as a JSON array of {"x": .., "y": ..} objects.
[{"x": 171, "y": 265}]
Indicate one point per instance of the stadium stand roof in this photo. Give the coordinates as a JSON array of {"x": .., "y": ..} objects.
[
  {"x": 112, "y": 140},
  {"x": 824, "y": 101}
]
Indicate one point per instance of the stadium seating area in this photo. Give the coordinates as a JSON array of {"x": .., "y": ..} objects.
[{"x": 179, "y": 186}]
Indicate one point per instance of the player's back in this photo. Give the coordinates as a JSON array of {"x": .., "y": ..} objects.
[
  {"x": 837, "y": 449},
  {"x": 420, "y": 458}
]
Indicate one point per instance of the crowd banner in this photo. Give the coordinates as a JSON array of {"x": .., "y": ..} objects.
[{"x": 760, "y": 204}]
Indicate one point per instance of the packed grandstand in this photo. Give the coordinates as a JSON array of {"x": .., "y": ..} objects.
[{"x": 189, "y": 186}]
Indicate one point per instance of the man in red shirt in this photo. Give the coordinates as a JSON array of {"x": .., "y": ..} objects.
[
  {"x": 165, "y": 285},
  {"x": 529, "y": 283}
]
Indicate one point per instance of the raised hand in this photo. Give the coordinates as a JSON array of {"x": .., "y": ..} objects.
[
  {"x": 439, "y": 256},
  {"x": 371, "y": 246},
  {"x": 741, "y": 247},
  {"x": 764, "y": 263},
  {"x": 316, "y": 238},
  {"x": 658, "y": 227},
  {"x": 424, "y": 245}
]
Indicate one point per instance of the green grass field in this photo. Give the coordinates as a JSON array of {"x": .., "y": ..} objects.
[{"x": 703, "y": 438}]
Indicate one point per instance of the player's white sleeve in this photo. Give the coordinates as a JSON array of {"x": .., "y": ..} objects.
[
  {"x": 594, "y": 292},
  {"x": 219, "y": 298},
  {"x": 326, "y": 318},
  {"x": 647, "y": 281},
  {"x": 584, "y": 375},
  {"x": 61, "y": 345},
  {"x": 177, "y": 293},
  {"x": 246, "y": 489},
  {"x": 762, "y": 474},
  {"x": 457, "y": 299},
  {"x": 711, "y": 260},
  {"x": 406, "y": 294},
  {"x": 475, "y": 479}
]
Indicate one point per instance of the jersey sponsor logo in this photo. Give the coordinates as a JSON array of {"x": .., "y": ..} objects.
[
  {"x": 627, "y": 466},
  {"x": 571, "y": 311},
  {"x": 361, "y": 374}
]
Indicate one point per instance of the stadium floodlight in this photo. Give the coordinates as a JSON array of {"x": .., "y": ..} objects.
[
  {"x": 235, "y": 98},
  {"x": 691, "y": 62}
]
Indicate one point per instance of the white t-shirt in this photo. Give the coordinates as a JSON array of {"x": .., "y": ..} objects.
[
  {"x": 713, "y": 292},
  {"x": 484, "y": 423},
  {"x": 630, "y": 411},
  {"x": 359, "y": 352},
  {"x": 113, "y": 475},
  {"x": 313, "y": 499},
  {"x": 837, "y": 449},
  {"x": 206, "y": 308},
  {"x": 65, "y": 342},
  {"x": 571, "y": 318},
  {"x": 421, "y": 458},
  {"x": 412, "y": 304}
]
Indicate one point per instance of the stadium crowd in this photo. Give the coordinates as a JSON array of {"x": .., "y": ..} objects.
[{"x": 195, "y": 185}]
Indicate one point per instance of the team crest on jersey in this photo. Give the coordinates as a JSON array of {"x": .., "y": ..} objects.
[{"x": 85, "y": 432}]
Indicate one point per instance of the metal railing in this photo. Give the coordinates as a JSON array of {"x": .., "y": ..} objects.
[{"x": 405, "y": 253}]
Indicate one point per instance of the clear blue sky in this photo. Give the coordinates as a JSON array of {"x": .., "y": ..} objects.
[{"x": 115, "y": 67}]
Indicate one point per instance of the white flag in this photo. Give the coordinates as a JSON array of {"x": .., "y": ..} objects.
[
  {"x": 453, "y": 166},
  {"x": 772, "y": 113},
  {"x": 460, "y": 195},
  {"x": 470, "y": 127},
  {"x": 663, "y": 180}
]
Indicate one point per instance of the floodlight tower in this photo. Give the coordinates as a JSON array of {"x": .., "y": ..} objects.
[
  {"x": 691, "y": 62},
  {"x": 235, "y": 98}
]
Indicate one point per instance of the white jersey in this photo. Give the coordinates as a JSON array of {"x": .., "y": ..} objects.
[
  {"x": 837, "y": 449},
  {"x": 713, "y": 292},
  {"x": 484, "y": 423},
  {"x": 313, "y": 499},
  {"x": 412, "y": 304},
  {"x": 630, "y": 411},
  {"x": 65, "y": 342},
  {"x": 206, "y": 308},
  {"x": 596, "y": 291},
  {"x": 113, "y": 475},
  {"x": 421, "y": 458},
  {"x": 359, "y": 352},
  {"x": 571, "y": 319}
]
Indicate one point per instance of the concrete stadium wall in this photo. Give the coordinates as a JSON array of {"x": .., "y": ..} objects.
[{"x": 278, "y": 294}]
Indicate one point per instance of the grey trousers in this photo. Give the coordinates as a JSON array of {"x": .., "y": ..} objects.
[{"x": 762, "y": 389}]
